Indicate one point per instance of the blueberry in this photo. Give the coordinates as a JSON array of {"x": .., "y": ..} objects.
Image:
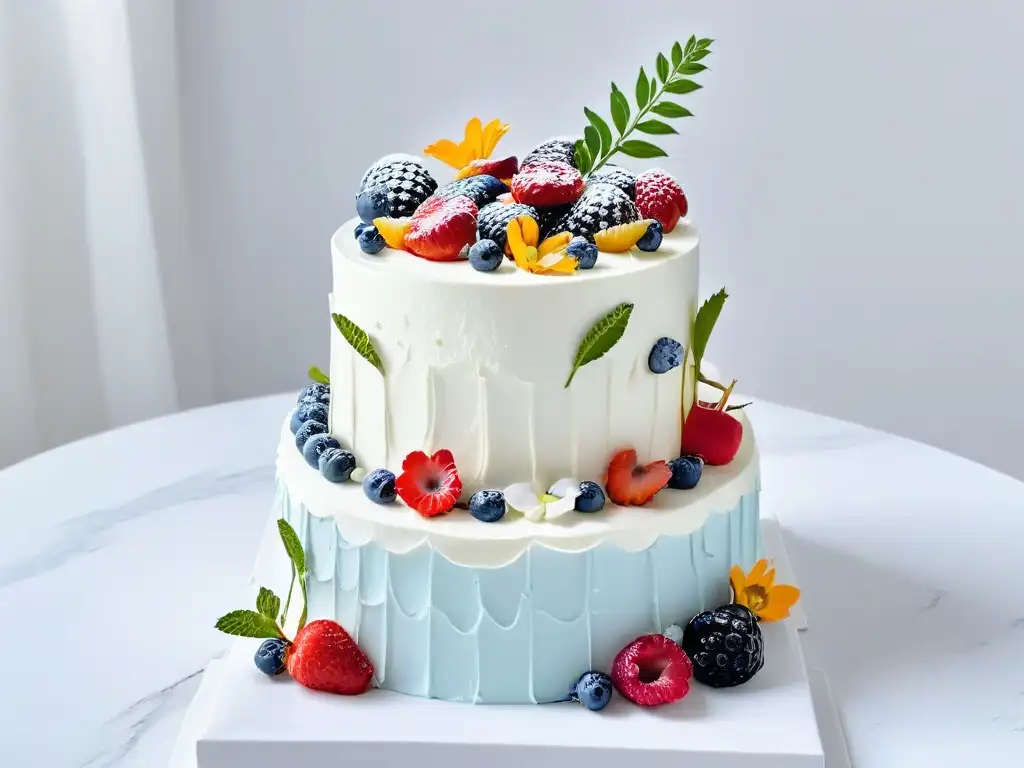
[
  {"x": 487, "y": 506},
  {"x": 686, "y": 472},
  {"x": 315, "y": 445},
  {"x": 485, "y": 255},
  {"x": 336, "y": 464},
  {"x": 359, "y": 228},
  {"x": 306, "y": 431},
  {"x": 307, "y": 411},
  {"x": 269, "y": 656},
  {"x": 593, "y": 690},
  {"x": 665, "y": 355},
  {"x": 370, "y": 240},
  {"x": 651, "y": 241},
  {"x": 591, "y": 498},
  {"x": 583, "y": 251},
  {"x": 315, "y": 393},
  {"x": 379, "y": 486},
  {"x": 373, "y": 203}
]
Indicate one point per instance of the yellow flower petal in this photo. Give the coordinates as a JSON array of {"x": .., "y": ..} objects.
[
  {"x": 514, "y": 238},
  {"x": 474, "y": 141},
  {"x": 468, "y": 170},
  {"x": 780, "y": 600},
  {"x": 493, "y": 132},
  {"x": 769, "y": 580},
  {"x": 757, "y": 572},
  {"x": 564, "y": 265},
  {"x": 448, "y": 152},
  {"x": 554, "y": 243},
  {"x": 738, "y": 582},
  {"x": 531, "y": 231}
]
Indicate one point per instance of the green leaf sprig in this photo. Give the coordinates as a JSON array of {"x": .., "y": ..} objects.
[
  {"x": 602, "y": 336},
  {"x": 319, "y": 376},
  {"x": 264, "y": 621},
  {"x": 598, "y": 144},
  {"x": 359, "y": 340},
  {"x": 704, "y": 323}
]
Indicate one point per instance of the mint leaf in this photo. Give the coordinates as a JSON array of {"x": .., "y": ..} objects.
[
  {"x": 602, "y": 129},
  {"x": 248, "y": 624},
  {"x": 662, "y": 67},
  {"x": 620, "y": 111},
  {"x": 293, "y": 547},
  {"x": 678, "y": 52},
  {"x": 707, "y": 316},
  {"x": 681, "y": 85},
  {"x": 267, "y": 603},
  {"x": 593, "y": 140},
  {"x": 643, "y": 89},
  {"x": 669, "y": 109},
  {"x": 359, "y": 341},
  {"x": 319, "y": 376},
  {"x": 601, "y": 337},
  {"x": 642, "y": 149},
  {"x": 655, "y": 127}
]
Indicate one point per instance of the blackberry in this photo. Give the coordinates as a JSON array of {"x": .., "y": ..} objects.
[
  {"x": 480, "y": 189},
  {"x": 408, "y": 183},
  {"x": 551, "y": 218},
  {"x": 617, "y": 176},
  {"x": 494, "y": 218},
  {"x": 557, "y": 150},
  {"x": 601, "y": 206},
  {"x": 725, "y": 646}
]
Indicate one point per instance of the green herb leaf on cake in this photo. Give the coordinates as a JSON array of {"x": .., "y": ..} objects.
[
  {"x": 268, "y": 604},
  {"x": 319, "y": 376},
  {"x": 704, "y": 323},
  {"x": 248, "y": 624},
  {"x": 359, "y": 341},
  {"x": 604, "y": 335},
  {"x": 293, "y": 547}
]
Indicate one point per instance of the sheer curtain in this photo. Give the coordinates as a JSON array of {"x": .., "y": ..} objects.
[{"x": 101, "y": 309}]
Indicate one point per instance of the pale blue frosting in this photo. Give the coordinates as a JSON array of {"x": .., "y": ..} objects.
[{"x": 524, "y": 632}]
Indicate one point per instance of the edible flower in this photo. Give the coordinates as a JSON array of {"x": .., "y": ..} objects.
[
  {"x": 546, "y": 258},
  {"x": 758, "y": 591},
  {"x": 478, "y": 144},
  {"x": 536, "y": 505},
  {"x": 429, "y": 484}
]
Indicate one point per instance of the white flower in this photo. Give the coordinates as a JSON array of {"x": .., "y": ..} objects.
[
  {"x": 539, "y": 505},
  {"x": 674, "y": 633}
]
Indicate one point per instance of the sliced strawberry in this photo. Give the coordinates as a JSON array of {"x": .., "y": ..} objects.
[
  {"x": 505, "y": 168},
  {"x": 324, "y": 657},
  {"x": 651, "y": 671},
  {"x": 632, "y": 484},
  {"x": 547, "y": 183},
  {"x": 659, "y": 196},
  {"x": 713, "y": 435},
  {"x": 442, "y": 227},
  {"x": 429, "y": 484}
]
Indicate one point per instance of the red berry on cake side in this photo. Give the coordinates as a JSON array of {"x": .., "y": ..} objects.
[
  {"x": 659, "y": 196},
  {"x": 324, "y": 657},
  {"x": 651, "y": 671},
  {"x": 546, "y": 183},
  {"x": 633, "y": 484},
  {"x": 712, "y": 434},
  {"x": 441, "y": 228},
  {"x": 429, "y": 484}
]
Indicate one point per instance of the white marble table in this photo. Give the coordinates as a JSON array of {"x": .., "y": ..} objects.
[{"x": 118, "y": 552}]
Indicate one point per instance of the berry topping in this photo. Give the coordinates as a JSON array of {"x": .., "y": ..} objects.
[
  {"x": 269, "y": 656},
  {"x": 651, "y": 671},
  {"x": 315, "y": 393},
  {"x": 712, "y": 434},
  {"x": 372, "y": 203},
  {"x": 370, "y": 240},
  {"x": 593, "y": 690},
  {"x": 686, "y": 472},
  {"x": 616, "y": 176},
  {"x": 553, "y": 219},
  {"x": 651, "y": 241},
  {"x": 546, "y": 183},
  {"x": 546, "y": 258},
  {"x": 622, "y": 237},
  {"x": 430, "y": 484},
  {"x": 591, "y": 498},
  {"x": 379, "y": 486},
  {"x": 561, "y": 150},
  {"x": 486, "y": 255},
  {"x": 725, "y": 646},
  {"x": 601, "y": 206},
  {"x": 632, "y": 484},
  {"x": 666, "y": 354},
  {"x": 442, "y": 227},
  {"x": 505, "y": 168},
  {"x": 307, "y": 412},
  {"x": 336, "y": 464},
  {"x": 480, "y": 189},
  {"x": 407, "y": 182},
  {"x": 494, "y": 218},
  {"x": 583, "y": 251},
  {"x": 324, "y": 657},
  {"x": 306, "y": 431},
  {"x": 487, "y": 506},
  {"x": 393, "y": 231},
  {"x": 359, "y": 228},
  {"x": 659, "y": 196},
  {"x": 316, "y": 445}
]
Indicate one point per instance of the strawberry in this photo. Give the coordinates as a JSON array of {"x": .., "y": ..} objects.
[
  {"x": 429, "y": 484},
  {"x": 442, "y": 227},
  {"x": 324, "y": 657},
  {"x": 659, "y": 196},
  {"x": 713, "y": 435},
  {"x": 632, "y": 484},
  {"x": 500, "y": 169},
  {"x": 651, "y": 671},
  {"x": 547, "y": 183}
]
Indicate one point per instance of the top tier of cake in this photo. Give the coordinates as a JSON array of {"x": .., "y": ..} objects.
[{"x": 477, "y": 363}]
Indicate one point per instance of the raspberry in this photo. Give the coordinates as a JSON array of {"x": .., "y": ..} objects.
[
  {"x": 547, "y": 183},
  {"x": 659, "y": 196}
]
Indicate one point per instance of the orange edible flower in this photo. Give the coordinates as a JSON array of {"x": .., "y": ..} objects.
[
  {"x": 478, "y": 144},
  {"x": 758, "y": 591},
  {"x": 547, "y": 258}
]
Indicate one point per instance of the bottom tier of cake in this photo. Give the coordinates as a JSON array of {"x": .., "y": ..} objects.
[{"x": 523, "y": 632}]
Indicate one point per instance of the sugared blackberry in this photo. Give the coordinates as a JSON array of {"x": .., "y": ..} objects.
[
  {"x": 617, "y": 176},
  {"x": 408, "y": 183},
  {"x": 552, "y": 217},
  {"x": 480, "y": 189},
  {"x": 493, "y": 219},
  {"x": 558, "y": 150},
  {"x": 725, "y": 646},
  {"x": 601, "y": 206}
]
